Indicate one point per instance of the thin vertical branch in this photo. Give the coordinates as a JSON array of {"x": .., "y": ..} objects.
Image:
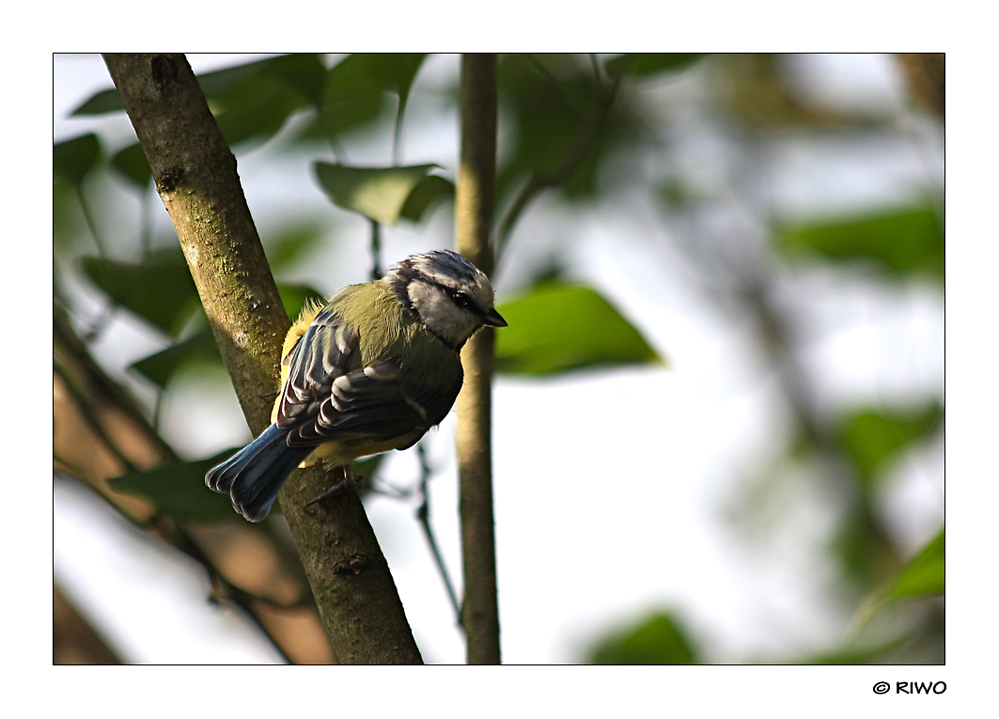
[
  {"x": 474, "y": 199},
  {"x": 423, "y": 515}
]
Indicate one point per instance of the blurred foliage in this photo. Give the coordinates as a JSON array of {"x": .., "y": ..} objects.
[
  {"x": 160, "y": 289},
  {"x": 73, "y": 159},
  {"x": 562, "y": 117},
  {"x": 870, "y": 438},
  {"x": 553, "y": 100},
  {"x": 178, "y": 490},
  {"x": 132, "y": 164},
  {"x": 656, "y": 639},
  {"x": 251, "y": 101},
  {"x": 159, "y": 367},
  {"x": 923, "y": 576},
  {"x": 898, "y": 242},
  {"x": 642, "y": 65}
]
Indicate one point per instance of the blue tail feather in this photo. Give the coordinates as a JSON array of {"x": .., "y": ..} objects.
[{"x": 253, "y": 476}]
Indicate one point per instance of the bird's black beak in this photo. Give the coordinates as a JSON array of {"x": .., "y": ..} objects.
[{"x": 492, "y": 318}]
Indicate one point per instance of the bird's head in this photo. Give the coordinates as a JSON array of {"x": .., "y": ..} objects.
[{"x": 447, "y": 293}]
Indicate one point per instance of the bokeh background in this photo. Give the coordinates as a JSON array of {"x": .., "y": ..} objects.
[{"x": 732, "y": 453}]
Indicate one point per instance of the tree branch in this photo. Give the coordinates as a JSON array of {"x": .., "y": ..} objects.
[
  {"x": 474, "y": 199},
  {"x": 195, "y": 175}
]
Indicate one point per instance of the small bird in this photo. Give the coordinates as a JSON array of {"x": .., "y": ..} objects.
[{"x": 370, "y": 371}]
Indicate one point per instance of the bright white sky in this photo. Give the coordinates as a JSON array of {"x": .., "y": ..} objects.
[{"x": 673, "y": 481}]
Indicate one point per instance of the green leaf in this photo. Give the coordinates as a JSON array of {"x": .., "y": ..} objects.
[
  {"x": 900, "y": 242},
  {"x": 871, "y": 437},
  {"x": 350, "y": 98},
  {"x": 556, "y": 328},
  {"x": 73, "y": 159},
  {"x": 292, "y": 242},
  {"x": 161, "y": 366},
  {"x": 249, "y": 101},
  {"x": 394, "y": 72},
  {"x": 179, "y": 490},
  {"x": 645, "y": 64},
  {"x": 659, "y": 639},
  {"x": 253, "y": 101},
  {"x": 131, "y": 162},
  {"x": 99, "y": 103},
  {"x": 559, "y": 120},
  {"x": 428, "y": 194},
  {"x": 256, "y": 110},
  {"x": 302, "y": 72},
  {"x": 923, "y": 576},
  {"x": 159, "y": 290},
  {"x": 378, "y": 193},
  {"x": 294, "y": 298}
]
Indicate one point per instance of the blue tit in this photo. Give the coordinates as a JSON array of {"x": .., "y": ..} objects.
[{"x": 370, "y": 371}]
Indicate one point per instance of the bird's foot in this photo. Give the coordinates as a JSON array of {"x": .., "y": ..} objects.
[{"x": 348, "y": 482}]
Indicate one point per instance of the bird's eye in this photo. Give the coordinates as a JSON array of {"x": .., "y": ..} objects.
[{"x": 461, "y": 299}]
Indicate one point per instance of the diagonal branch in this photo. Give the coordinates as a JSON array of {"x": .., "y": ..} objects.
[{"x": 195, "y": 175}]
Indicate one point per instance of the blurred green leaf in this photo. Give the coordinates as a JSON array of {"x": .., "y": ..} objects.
[
  {"x": 159, "y": 290},
  {"x": 73, "y": 159},
  {"x": 924, "y": 574},
  {"x": 292, "y": 242},
  {"x": 350, "y": 98},
  {"x": 253, "y": 101},
  {"x": 179, "y": 490},
  {"x": 870, "y": 437},
  {"x": 428, "y": 194},
  {"x": 394, "y": 72},
  {"x": 556, "y": 328},
  {"x": 131, "y": 162},
  {"x": 552, "y": 101},
  {"x": 69, "y": 225},
  {"x": 899, "y": 242},
  {"x": 659, "y": 639},
  {"x": 161, "y": 366},
  {"x": 99, "y": 103},
  {"x": 254, "y": 111},
  {"x": 302, "y": 72},
  {"x": 646, "y": 64},
  {"x": 249, "y": 101},
  {"x": 379, "y": 193},
  {"x": 294, "y": 298}
]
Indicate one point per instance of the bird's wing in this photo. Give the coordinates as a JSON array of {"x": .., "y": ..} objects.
[{"x": 327, "y": 396}]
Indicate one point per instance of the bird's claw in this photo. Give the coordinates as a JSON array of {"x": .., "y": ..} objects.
[{"x": 349, "y": 483}]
